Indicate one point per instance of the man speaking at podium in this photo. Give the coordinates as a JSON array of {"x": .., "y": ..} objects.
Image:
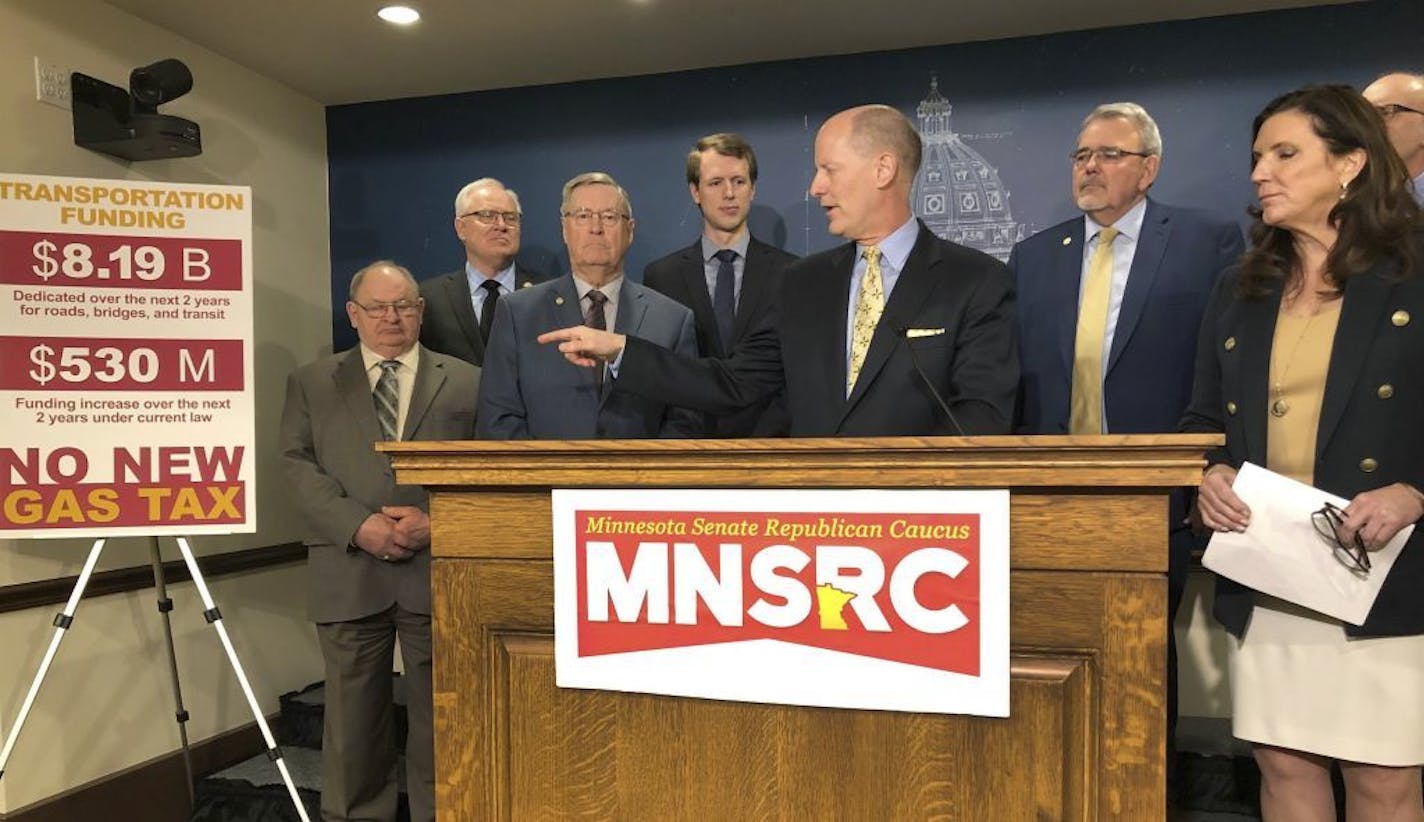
[
  {"x": 368, "y": 549},
  {"x": 894, "y": 333}
]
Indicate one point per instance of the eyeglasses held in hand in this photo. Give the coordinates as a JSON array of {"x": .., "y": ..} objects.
[
  {"x": 1329, "y": 521},
  {"x": 1111, "y": 154},
  {"x": 583, "y": 217},
  {"x": 375, "y": 311},
  {"x": 488, "y": 216}
]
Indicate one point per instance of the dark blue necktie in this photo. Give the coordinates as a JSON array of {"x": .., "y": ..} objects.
[{"x": 724, "y": 297}]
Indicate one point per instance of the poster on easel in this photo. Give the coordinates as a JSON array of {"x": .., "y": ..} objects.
[{"x": 126, "y": 363}]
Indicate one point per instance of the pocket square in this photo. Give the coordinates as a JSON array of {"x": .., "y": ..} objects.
[{"x": 913, "y": 333}]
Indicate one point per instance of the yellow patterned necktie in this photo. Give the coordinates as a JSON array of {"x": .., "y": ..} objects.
[
  {"x": 869, "y": 305},
  {"x": 1086, "y": 408}
]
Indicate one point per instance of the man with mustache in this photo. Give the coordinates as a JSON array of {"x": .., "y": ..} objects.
[{"x": 1110, "y": 304}]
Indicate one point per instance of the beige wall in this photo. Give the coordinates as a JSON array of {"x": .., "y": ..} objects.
[{"x": 106, "y": 704}]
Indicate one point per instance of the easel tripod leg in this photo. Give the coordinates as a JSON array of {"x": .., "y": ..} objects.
[
  {"x": 165, "y": 606},
  {"x": 62, "y": 621},
  {"x": 214, "y": 618}
]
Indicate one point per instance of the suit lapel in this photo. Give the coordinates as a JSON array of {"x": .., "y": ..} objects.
[
  {"x": 429, "y": 377},
  {"x": 354, "y": 388},
  {"x": 631, "y": 308},
  {"x": 1255, "y": 333},
  {"x": 462, "y": 303},
  {"x": 754, "y": 287},
  {"x": 567, "y": 310},
  {"x": 694, "y": 281},
  {"x": 1146, "y": 264},
  {"x": 1063, "y": 283},
  {"x": 522, "y": 277},
  {"x": 1365, "y": 302},
  {"x": 826, "y": 314}
]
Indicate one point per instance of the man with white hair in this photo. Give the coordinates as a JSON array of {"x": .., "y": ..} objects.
[
  {"x": 459, "y": 306},
  {"x": 1399, "y": 98}
]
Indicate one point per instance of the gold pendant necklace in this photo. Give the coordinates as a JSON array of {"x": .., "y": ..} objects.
[{"x": 1279, "y": 406}]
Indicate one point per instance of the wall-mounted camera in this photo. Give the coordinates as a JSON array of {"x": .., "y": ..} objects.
[{"x": 126, "y": 124}]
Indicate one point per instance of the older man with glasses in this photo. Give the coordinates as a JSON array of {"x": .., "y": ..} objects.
[
  {"x": 1399, "y": 98},
  {"x": 459, "y": 306},
  {"x": 1110, "y": 303},
  {"x": 368, "y": 539},
  {"x": 529, "y": 391}
]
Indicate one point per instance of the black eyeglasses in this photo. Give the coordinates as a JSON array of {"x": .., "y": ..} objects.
[
  {"x": 1111, "y": 154},
  {"x": 404, "y": 308},
  {"x": 1389, "y": 110},
  {"x": 488, "y": 216},
  {"x": 1351, "y": 553}
]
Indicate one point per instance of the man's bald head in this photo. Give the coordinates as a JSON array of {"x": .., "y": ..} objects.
[{"x": 1399, "y": 97}]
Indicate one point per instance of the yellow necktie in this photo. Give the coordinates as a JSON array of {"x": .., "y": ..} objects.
[
  {"x": 869, "y": 305},
  {"x": 1086, "y": 409}
]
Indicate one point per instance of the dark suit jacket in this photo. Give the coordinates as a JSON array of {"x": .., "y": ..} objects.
[
  {"x": 1148, "y": 381},
  {"x": 799, "y": 342},
  {"x": 529, "y": 391},
  {"x": 449, "y": 325},
  {"x": 328, "y": 426},
  {"x": 1379, "y": 342},
  {"x": 682, "y": 276}
]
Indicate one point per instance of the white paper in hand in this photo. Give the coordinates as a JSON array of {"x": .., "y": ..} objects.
[{"x": 1281, "y": 554}]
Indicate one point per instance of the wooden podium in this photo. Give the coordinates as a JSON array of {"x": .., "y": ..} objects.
[{"x": 1085, "y": 739}]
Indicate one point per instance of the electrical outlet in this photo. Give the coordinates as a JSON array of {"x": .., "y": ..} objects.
[{"x": 52, "y": 84}]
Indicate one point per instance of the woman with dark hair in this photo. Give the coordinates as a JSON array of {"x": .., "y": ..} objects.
[{"x": 1310, "y": 362}]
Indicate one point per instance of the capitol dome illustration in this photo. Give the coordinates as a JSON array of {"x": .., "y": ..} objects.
[{"x": 957, "y": 193}]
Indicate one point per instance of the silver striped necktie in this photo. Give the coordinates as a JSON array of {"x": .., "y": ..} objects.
[{"x": 387, "y": 397}]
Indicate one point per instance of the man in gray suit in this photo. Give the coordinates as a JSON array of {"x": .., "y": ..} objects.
[
  {"x": 459, "y": 306},
  {"x": 368, "y": 558},
  {"x": 529, "y": 391}
]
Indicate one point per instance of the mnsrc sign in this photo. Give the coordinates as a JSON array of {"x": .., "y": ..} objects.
[{"x": 868, "y": 599}]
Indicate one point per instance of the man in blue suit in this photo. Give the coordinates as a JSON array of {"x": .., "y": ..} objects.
[
  {"x": 1110, "y": 305},
  {"x": 529, "y": 391}
]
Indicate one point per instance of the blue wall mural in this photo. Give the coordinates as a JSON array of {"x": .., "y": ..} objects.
[{"x": 999, "y": 119}]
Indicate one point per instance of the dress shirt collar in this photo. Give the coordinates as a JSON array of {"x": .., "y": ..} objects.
[
  {"x": 505, "y": 278},
  {"x": 609, "y": 289},
  {"x": 1129, "y": 225},
  {"x": 896, "y": 247},
  {"x": 739, "y": 245},
  {"x": 410, "y": 359}
]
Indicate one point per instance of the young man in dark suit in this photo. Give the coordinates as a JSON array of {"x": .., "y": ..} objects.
[
  {"x": 859, "y": 333},
  {"x": 727, "y": 276},
  {"x": 459, "y": 305}
]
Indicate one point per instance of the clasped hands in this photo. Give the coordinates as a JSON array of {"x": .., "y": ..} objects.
[
  {"x": 1376, "y": 515},
  {"x": 395, "y": 533}
]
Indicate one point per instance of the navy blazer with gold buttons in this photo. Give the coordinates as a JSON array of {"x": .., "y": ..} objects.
[{"x": 1371, "y": 430}]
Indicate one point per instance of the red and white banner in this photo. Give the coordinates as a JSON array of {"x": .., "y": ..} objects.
[
  {"x": 126, "y": 401},
  {"x": 894, "y": 600}
]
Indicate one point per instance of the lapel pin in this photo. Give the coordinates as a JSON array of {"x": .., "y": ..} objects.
[
  {"x": 526, "y": 284},
  {"x": 558, "y": 301},
  {"x": 1068, "y": 240}
]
